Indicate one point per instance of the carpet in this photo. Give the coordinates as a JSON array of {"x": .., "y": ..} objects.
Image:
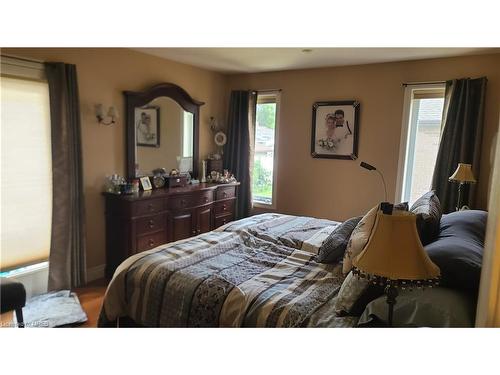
[{"x": 54, "y": 309}]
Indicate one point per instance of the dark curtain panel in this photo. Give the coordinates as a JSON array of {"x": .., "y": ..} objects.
[
  {"x": 238, "y": 150},
  {"x": 461, "y": 138},
  {"x": 67, "y": 263}
]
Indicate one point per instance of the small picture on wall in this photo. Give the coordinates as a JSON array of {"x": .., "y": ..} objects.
[
  {"x": 147, "y": 126},
  {"x": 335, "y": 130},
  {"x": 146, "y": 183}
]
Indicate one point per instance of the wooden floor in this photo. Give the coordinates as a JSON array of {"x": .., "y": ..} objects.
[{"x": 91, "y": 297}]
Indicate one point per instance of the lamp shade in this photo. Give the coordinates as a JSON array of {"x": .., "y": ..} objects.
[
  {"x": 463, "y": 173},
  {"x": 394, "y": 250}
]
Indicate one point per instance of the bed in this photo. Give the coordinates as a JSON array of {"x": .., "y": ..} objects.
[
  {"x": 256, "y": 272},
  {"x": 265, "y": 271}
]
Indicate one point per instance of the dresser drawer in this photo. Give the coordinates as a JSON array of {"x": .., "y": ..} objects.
[
  {"x": 221, "y": 220},
  {"x": 148, "y": 207},
  {"x": 204, "y": 197},
  {"x": 225, "y": 192},
  {"x": 151, "y": 224},
  {"x": 224, "y": 208},
  {"x": 150, "y": 241},
  {"x": 180, "y": 202}
]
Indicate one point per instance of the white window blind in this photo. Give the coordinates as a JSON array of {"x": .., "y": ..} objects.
[{"x": 26, "y": 176}]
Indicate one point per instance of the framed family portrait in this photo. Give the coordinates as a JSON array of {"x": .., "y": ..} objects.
[
  {"x": 147, "y": 126},
  {"x": 335, "y": 128}
]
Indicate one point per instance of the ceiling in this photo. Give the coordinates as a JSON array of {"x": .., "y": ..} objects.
[{"x": 253, "y": 60}]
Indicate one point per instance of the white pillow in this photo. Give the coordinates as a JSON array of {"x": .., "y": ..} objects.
[{"x": 359, "y": 238}]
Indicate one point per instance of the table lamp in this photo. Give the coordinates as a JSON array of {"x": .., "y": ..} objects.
[
  {"x": 463, "y": 175},
  {"x": 394, "y": 257}
]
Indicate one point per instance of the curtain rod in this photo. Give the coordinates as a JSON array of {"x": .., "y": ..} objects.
[
  {"x": 22, "y": 58},
  {"x": 421, "y": 83},
  {"x": 267, "y": 90}
]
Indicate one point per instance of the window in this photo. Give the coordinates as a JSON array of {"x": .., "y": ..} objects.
[
  {"x": 26, "y": 177},
  {"x": 420, "y": 139},
  {"x": 187, "y": 134},
  {"x": 264, "y": 161}
]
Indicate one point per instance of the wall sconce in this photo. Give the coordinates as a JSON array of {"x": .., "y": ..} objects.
[{"x": 99, "y": 113}]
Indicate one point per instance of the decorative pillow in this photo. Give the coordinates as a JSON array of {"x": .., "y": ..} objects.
[
  {"x": 359, "y": 238},
  {"x": 335, "y": 244},
  {"x": 361, "y": 234},
  {"x": 432, "y": 307},
  {"x": 355, "y": 294},
  {"x": 458, "y": 250},
  {"x": 428, "y": 211}
]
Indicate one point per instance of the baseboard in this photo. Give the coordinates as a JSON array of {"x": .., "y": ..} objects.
[{"x": 95, "y": 273}]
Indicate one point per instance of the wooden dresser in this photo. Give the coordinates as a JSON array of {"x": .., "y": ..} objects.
[{"x": 143, "y": 221}]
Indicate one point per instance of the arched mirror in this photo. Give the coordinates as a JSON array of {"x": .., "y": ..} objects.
[{"x": 162, "y": 130}]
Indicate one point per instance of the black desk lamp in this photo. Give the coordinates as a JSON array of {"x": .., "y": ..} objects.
[{"x": 372, "y": 168}]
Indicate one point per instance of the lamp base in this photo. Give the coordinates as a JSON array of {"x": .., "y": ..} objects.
[{"x": 391, "y": 292}]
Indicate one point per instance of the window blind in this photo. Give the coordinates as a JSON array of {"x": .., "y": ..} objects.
[{"x": 26, "y": 176}]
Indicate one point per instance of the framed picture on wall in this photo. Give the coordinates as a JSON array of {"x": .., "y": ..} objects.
[
  {"x": 147, "y": 126},
  {"x": 335, "y": 128}
]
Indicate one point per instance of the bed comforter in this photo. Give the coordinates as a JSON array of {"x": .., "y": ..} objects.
[{"x": 255, "y": 272}]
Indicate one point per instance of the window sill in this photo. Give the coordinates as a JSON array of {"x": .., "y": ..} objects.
[{"x": 263, "y": 206}]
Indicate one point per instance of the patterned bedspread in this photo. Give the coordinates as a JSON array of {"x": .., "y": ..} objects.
[
  {"x": 241, "y": 275},
  {"x": 299, "y": 232}
]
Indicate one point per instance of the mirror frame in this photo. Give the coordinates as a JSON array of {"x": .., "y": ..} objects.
[{"x": 135, "y": 99}]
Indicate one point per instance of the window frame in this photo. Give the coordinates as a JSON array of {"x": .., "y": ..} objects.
[
  {"x": 277, "y": 97},
  {"x": 405, "y": 132}
]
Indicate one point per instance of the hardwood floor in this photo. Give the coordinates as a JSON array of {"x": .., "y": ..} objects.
[{"x": 91, "y": 297}]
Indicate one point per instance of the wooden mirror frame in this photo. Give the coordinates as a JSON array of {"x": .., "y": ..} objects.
[{"x": 135, "y": 99}]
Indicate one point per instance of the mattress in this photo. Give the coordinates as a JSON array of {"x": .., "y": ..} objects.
[{"x": 255, "y": 272}]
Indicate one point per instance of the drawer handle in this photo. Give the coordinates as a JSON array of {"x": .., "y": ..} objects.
[
  {"x": 199, "y": 231},
  {"x": 223, "y": 221},
  {"x": 151, "y": 224},
  {"x": 224, "y": 208},
  {"x": 194, "y": 231},
  {"x": 206, "y": 199},
  {"x": 183, "y": 202},
  {"x": 224, "y": 194},
  {"x": 151, "y": 207},
  {"x": 151, "y": 242}
]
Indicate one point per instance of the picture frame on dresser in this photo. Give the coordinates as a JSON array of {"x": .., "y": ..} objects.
[
  {"x": 335, "y": 129},
  {"x": 146, "y": 183}
]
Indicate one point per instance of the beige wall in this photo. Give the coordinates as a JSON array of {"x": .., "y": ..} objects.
[
  {"x": 102, "y": 76},
  {"x": 339, "y": 189}
]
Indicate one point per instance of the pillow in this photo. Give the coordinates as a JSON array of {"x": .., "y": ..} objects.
[
  {"x": 354, "y": 294},
  {"x": 432, "y": 307},
  {"x": 458, "y": 251},
  {"x": 428, "y": 211},
  {"x": 359, "y": 238},
  {"x": 361, "y": 234},
  {"x": 335, "y": 244}
]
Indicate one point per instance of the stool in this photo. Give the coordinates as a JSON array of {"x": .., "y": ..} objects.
[{"x": 12, "y": 297}]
